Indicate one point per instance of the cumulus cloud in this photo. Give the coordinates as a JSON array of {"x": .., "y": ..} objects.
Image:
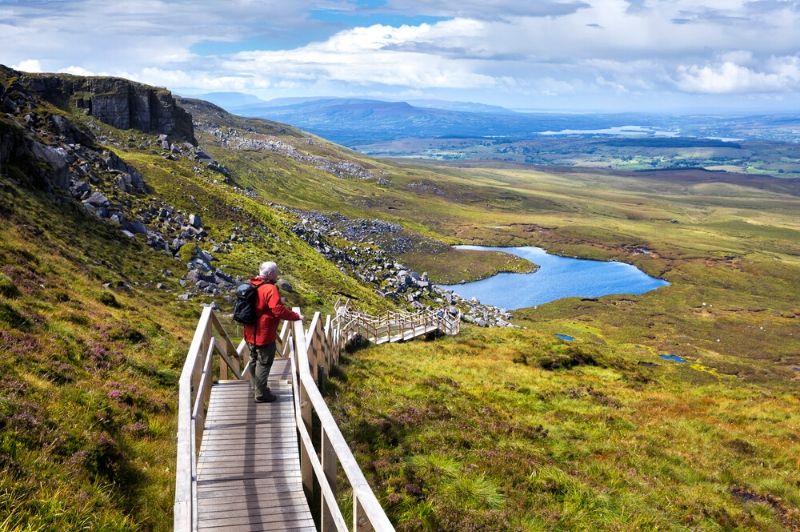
[
  {"x": 377, "y": 54},
  {"x": 779, "y": 74},
  {"x": 28, "y": 65},
  {"x": 78, "y": 71}
]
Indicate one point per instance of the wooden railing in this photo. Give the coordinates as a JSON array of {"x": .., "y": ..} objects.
[
  {"x": 200, "y": 370},
  {"x": 395, "y": 325},
  {"x": 313, "y": 353}
]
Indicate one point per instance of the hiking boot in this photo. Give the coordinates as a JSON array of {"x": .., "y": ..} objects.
[{"x": 269, "y": 397}]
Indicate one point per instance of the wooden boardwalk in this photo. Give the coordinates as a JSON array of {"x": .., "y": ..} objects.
[
  {"x": 243, "y": 465},
  {"x": 406, "y": 335},
  {"x": 248, "y": 472}
]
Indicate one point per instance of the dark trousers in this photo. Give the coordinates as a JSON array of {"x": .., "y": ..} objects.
[{"x": 261, "y": 358}]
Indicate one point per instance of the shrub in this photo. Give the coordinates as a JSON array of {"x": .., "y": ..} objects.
[
  {"x": 7, "y": 287},
  {"x": 573, "y": 356},
  {"x": 14, "y": 319},
  {"x": 108, "y": 299}
]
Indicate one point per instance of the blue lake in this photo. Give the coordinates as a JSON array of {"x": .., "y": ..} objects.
[{"x": 556, "y": 278}]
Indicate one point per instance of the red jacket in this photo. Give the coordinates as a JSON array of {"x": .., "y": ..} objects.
[{"x": 270, "y": 311}]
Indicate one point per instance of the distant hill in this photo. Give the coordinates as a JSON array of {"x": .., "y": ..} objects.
[
  {"x": 229, "y": 100},
  {"x": 471, "y": 107},
  {"x": 353, "y": 122},
  {"x": 358, "y": 122}
]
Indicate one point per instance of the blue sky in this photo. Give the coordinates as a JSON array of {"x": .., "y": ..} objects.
[{"x": 574, "y": 55}]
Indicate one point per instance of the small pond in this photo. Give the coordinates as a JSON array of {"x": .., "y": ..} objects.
[{"x": 556, "y": 278}]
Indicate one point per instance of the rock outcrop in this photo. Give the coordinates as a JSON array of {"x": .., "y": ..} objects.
[
  {"x": 377, "y": 267},
  {"x": 117, "y": 102}
]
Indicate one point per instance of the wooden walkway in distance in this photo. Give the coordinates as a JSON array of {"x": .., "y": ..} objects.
[
  {"x": 406, "y": 335},
  {"x": 248, "y": 470}
]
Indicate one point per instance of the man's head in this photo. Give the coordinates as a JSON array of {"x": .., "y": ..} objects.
[{"x": 268, "y": 271}]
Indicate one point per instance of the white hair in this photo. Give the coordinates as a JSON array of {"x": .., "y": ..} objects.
[{"x": 268, "y": 271}]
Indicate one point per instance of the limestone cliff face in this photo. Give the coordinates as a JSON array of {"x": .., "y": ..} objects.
[{"x": 118, "y": 102}]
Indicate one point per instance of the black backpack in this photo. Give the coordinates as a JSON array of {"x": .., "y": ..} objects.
[{"x": 244, "y": 309}]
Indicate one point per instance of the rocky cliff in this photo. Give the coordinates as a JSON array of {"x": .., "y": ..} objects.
[{"x": 118, "y": 102}]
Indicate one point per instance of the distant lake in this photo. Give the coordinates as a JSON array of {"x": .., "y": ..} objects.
[{"x": 556, "y": 278}]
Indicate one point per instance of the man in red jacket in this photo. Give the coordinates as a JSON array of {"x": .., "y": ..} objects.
[{"x": 261, "y": 335}]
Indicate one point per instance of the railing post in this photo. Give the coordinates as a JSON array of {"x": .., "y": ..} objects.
[
  {"x": 360, "y": 520},
  {"x": 329, "y": 467},
  {"x": 312, "y": 347}
]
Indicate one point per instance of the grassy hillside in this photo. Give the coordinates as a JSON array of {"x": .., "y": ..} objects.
[
  {"x": 501, "y": 429},
  {"x": 93, "y": 336},
  {"x": 517, "y": 430}
]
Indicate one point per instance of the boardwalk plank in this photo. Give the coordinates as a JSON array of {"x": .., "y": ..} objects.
[
  {"x": 304, "y": 525},
  {"x": 264, "y": 500},
  {"x": 280, "y": 518},
  {"x": 262, "y": 508}
]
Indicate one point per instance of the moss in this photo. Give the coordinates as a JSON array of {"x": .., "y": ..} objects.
[
  {"x": 571, "y": 357},
  {"x": 187, "y": 252}
]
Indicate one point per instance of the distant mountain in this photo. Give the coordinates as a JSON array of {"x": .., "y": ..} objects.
[
  {"x": 230, "y": 100},
  {"x": 470, "y": 107},
  {"x": 354, "y": 122},
  {"x": 358, "y": 122}
]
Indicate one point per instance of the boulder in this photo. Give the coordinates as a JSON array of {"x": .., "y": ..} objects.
[
  {"x": 195, "y": 221},
  {"x": 97, "y": 199},
  {"x": 136, "y": 227},
  {"x": 56, "y": 158},
  {"x": 205, "y": 256},
  {"x": 80, "y": 190}
]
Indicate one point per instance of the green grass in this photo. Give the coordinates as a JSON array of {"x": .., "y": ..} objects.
[
  {"x": 473, "y": 431},
  {"x": 458, "y": 265}
]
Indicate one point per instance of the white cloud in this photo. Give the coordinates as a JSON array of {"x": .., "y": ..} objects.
[
  {"x": 28, "y": 65},
  {"x": 779, "y": 74},
  {"x": 554, "y": 87},
  {"x": 77, "y": 71},
  {"x": 377, "y": 54}
]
